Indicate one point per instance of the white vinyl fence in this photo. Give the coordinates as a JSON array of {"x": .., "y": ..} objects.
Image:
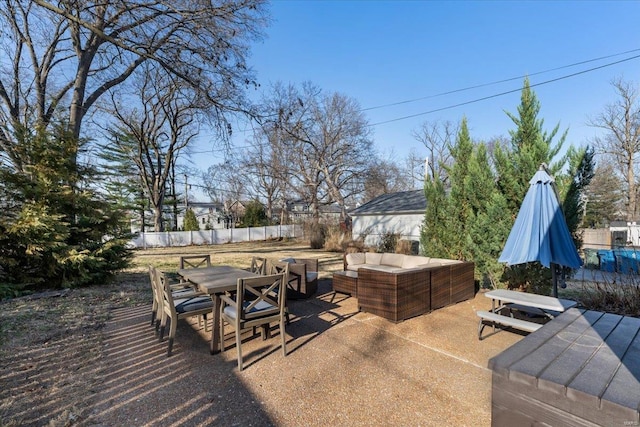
[{"x": 214, "y": 237}]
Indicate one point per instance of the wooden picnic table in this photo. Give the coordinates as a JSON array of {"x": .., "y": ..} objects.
[
  {"x": 506, "y": 300},
  {"x": 215, "y": 281}
]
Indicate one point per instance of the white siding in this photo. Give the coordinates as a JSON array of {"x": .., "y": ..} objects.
[{"x": 373, "y": 227}]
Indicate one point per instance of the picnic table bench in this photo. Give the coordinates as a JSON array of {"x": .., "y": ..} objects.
[{"x": 510, "y": 302}]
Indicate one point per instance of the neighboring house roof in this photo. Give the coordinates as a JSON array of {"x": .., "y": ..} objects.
[
  {"x": 405, "y": 202},
  {"x": 214, "y": 205}
]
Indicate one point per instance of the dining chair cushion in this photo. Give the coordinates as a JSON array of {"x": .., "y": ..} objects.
[
  {"x": 183, "y": 293},
  {"x": 192, "y": 304},
  {"x": 261, "y": 306},
  {"x": 291, "y": 260},
  {"x": 311, "y": 276}
]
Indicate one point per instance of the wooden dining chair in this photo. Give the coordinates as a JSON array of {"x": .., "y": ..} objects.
[
  {"x": 178, "y": 291},
  {"x": 195, "y": 261},
  {"x": 258, "y": 301},
  {"x": 259, "y": 265},
  {"x": 154, "y": 293},
  {"x": 278, "y": 267},
  {"x": 180, "y": 307}
]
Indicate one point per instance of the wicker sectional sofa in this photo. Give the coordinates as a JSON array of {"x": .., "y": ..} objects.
[{"x": 397, "y": 287}]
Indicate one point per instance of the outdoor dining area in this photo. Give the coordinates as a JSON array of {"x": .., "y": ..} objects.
[{"x": 220, "y": 295}]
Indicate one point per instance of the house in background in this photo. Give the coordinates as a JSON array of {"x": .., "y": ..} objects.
[
  {"x": 299, "y": 211},
  {"x": 210, "y": 216},
  {"x": 400, "y": 213}
]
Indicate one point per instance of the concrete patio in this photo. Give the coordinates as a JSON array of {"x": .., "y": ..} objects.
[{"x": 343, "y": 368}]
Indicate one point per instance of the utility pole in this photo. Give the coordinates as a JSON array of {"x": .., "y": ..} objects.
[{"x": 186, "y": 195}]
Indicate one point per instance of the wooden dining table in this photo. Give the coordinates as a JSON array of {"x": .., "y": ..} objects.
[{"x": 215, "y": 281}]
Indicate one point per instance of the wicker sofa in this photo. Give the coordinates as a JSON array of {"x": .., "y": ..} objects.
[{"x": 397, "y": 287}]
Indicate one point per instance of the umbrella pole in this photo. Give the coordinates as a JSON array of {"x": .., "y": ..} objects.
[{"x": 554, "y": 280}]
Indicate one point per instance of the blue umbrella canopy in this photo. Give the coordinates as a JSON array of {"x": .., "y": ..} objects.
[{"x": 540, "y": 232}]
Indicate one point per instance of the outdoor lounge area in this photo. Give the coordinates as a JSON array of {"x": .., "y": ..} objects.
[{"x": 398, "y": 287}]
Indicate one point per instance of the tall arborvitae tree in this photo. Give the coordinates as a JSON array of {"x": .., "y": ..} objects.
[
  {"x": 489, "y": 219},
  {"x": 515, "y": 165},
  {"x": 459, "y": 208},
  {"x": 530, "y": 146},
  {"x": 434, "y": 237},
  {"x": 190, "y": 221},
  {"x": 573, "y": 188}
]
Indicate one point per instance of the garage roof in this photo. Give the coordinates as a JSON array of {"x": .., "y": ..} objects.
[{"x": 403, "y": 202}]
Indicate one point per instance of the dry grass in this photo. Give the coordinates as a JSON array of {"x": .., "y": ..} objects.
[
  {"x": 50, "y": 343},
  {"x": 618, "y": 294}
]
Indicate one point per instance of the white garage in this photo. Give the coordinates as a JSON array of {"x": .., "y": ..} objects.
[{"x": 399, "y": 213}]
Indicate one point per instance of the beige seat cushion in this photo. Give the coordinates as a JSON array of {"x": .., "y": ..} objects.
[
  {"x": 373, "y": 258},
  {"x": 355, "y": 258},
  {"x": 414, "y": 261},
  {"x": 394, "y": 260}
]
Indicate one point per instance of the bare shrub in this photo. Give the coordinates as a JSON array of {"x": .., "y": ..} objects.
[
  {"x": 389, "y": 242},
  {"x": 407, "y": 247},
  {"x": 614, "y": 293},
  {"x": 336, "y": 239}
]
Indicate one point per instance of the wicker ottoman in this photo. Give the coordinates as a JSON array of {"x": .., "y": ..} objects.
[{"x": 346, "y": 282}]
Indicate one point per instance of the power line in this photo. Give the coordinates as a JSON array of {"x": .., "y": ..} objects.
[
  {"x": 484, "y": 98},
  {"x": 392, "y": 104},
  {"x": 480, "y": 86}
]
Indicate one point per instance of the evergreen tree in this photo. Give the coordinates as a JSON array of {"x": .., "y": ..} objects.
[
  {"x": 489, "y": 219},
  {"x": 122, "y": 181},
  {"x": 190, "y": 221},
  {"x": 434, "y": 236},
  {"x": 530, "y": 147},
  {"x": 56, "y": 229},
  {"x": 459, "y": 208},
  {"x": 255, "y": 215},
  {"x": 572, "y": 189}
]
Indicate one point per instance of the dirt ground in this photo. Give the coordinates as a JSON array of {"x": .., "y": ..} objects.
[{"x": 52, "y": 361}]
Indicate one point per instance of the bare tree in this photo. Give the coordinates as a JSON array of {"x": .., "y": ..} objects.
[
  {"x": 326, "y": 138},
  {"x": 384, "y": 177},
  {"x": 265, "y": 168},
  {"x": 437, "y": 137},
  {"x": 155, "y": 135},
  {"x": 621, "y": 141},
  {"x": 61, "y": 57},
  {"x": 226, "y": 182}
]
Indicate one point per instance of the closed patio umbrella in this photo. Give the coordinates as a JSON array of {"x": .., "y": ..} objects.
[{"x": 540, "y": 232}]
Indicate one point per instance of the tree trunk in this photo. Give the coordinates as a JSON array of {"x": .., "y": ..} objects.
[{"x": 631, "y": 211}]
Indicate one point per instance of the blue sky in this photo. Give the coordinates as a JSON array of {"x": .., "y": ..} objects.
[{"x": 383, "y": 52}]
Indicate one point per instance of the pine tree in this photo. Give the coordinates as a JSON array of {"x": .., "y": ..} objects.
[
  {"x": 190, "y": 221},
  {"x": 56, "y": 229}
]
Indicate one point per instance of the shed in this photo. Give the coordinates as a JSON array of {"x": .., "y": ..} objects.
[{"x": 399, "y": 213}]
